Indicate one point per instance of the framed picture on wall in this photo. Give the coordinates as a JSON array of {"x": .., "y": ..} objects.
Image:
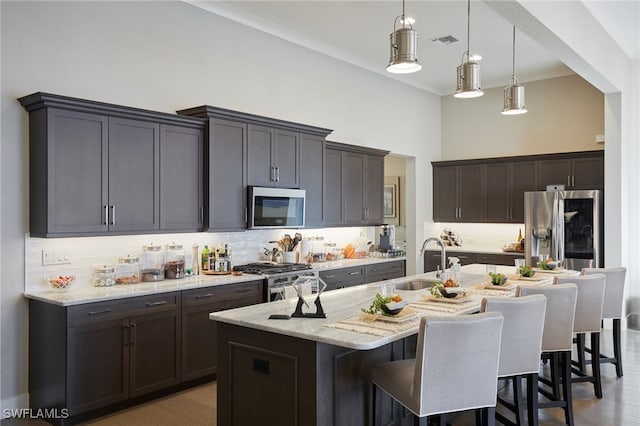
[{"x": 390, "y": 201}]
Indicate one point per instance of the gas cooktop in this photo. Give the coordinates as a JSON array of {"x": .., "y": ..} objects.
[{"x": 271, "y": 268}]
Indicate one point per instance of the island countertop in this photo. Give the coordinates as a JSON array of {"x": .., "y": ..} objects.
[{"x": 338, "y": 305}]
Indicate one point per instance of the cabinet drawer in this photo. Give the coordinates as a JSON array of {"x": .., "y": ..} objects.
[
  {"x": 113, "y": 309},
  {"x": 384, "y": 271},
  {"x": 497, "y": 259},
  {"x": 225, "y": 296},
  {"x": 345, "y": 277}
]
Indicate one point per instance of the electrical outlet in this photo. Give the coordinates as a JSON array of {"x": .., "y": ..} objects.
[{"x": 55, "y": 257}]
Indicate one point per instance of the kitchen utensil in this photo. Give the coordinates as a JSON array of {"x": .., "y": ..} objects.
[{"x": 296, "y": 239}]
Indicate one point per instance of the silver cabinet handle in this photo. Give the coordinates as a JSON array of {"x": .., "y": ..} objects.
[
  {"x": 133, "y": 334},
  {"x": 272, "y": 174},
  {"x": 201, "y": 214},
  {"x": 204, "y": 296},
  {"x": 328, "y": 277},
  {"x": 354, "y": 273},
  {"x": 573, "y": 181},
  {"x": 113, "y": 215},
  {"x": 277, "y": 174},
  {"x": 161, "y": 302},
  {"x": 568, "y": 180},
  {"x": 243, "y": 290},
  {"x": 106, "y": 311},
  {"x": 106, "y": 215},
  {"x": 125, "y": 336}
]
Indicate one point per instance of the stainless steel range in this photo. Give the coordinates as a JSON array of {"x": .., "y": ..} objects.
[{"x": 278, "y": 276}]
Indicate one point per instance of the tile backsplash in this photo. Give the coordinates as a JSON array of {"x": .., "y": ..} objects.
[
  {"x": 479, "y": 236},
  {"x": 85, "y": 252}
]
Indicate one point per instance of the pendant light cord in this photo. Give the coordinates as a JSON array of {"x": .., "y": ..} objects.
[
  {"x": 513, "y": 72},
  {"x": 468, "y": 29}
]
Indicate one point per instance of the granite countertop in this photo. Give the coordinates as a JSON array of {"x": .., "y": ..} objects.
[
  {"x": 338, "y": 305},
  {"x": 89, "y": 294}
]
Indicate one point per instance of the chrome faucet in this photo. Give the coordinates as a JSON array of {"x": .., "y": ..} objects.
[{"x": 443, "y": 253}]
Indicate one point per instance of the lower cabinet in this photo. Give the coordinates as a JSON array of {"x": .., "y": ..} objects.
[
  {"x": 433, "y": 258},
  {"x": 356, "y": 275},
  {"x": 90, "y": 356},
  {"x": 343, "y": 277},
  {"x": 199, "y": 335}
]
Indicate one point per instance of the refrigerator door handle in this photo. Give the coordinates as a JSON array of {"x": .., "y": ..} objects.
[{"x": 558, "y": 228}]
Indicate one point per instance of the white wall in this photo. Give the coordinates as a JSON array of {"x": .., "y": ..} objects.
[
  {"x": 564, "y": 114},
  {"x": 165, "y": 56}
]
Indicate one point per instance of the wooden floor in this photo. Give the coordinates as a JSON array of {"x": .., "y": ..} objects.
[{"x": 619, "y": 407}]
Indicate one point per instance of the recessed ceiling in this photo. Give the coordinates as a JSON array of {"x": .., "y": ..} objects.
[{"x": 357, "y": 32}]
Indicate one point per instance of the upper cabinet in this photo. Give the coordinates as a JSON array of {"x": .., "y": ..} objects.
[
  {"x": 583, "y": 172},
  {"x": 492, "y": 189},
  {"x": 98, "y": 168},
  {"x": 245, "y": 149},
  {"x": 355, "y": 181},
  {"x": 273, "y": 157},
  {"x": 458, "y": 193}
]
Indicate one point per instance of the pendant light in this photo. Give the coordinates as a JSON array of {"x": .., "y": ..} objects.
[
  {"x": 468, "y": 73},
  {"x": 404, "y": 45},
  {"x": 514, "y": 94}
]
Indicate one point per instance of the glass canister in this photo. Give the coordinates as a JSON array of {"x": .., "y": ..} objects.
[
  {"x": 152, "y": 263},
  {"x": 174, "y": 262},
  {"x": 104, "y": 275},
  {"x": 128, "y": 270},
  {"x": 319, "y": 254}
]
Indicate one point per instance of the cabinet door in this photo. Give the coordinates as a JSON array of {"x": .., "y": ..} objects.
[
  {"x": 199, "y": 348},
  {"x": 286, "y": 151},
  {"x": 312, "y": 166},
  {"x": 523, "y": 179},
  {"x": 384, "y": 271},
  {"x": 470, "y": 193},
  {"x": 227, "y": 175},
  {"x": 74, "y": 169},
  {"x": 98, "y": 364},
  {"x": 374, "y": 184},
  {"x": 260, "y": 162},
  {"x": 343, "y": 277},
  {"x": 333, "y": 181},
  {"x": 554, "y": 172},
  {"x": 353, "y": 167},
  {"x": 588, "y": 173},
  {"x": 134, "y": 160},
  {"x": 444, "y": 194},
  {"x": 498, "y": 208},
  {"x": 181, "y": 178},
  {"x": 154, "y": 352}
]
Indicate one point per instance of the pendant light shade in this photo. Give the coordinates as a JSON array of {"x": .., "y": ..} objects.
[
  {"x": 514, "y": 94},
  {"x": 403, "y": 58},
  {"x": 468, "y": 72}
]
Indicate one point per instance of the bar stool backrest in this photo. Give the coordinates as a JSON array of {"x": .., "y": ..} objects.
[
  {"x": 589, "y": 302},
  {"x": 613, "y": 290}
]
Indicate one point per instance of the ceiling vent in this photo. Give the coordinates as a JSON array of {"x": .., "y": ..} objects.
[{"x": 448, "y": 39}]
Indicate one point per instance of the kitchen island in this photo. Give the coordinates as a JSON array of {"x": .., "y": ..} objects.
[{"x": 309, "y": 371}]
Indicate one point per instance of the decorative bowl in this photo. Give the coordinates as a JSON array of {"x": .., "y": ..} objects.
[
  {"x": 393, "y": 308},
  {"x": 61, "y": 282}
]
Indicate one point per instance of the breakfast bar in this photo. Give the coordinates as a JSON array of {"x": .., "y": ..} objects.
[{"x": 319, "y": 368}]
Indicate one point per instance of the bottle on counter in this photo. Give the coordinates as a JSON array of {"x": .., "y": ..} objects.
[
  {"x": 519, "y": 234},
  {"x": 205, "y": 258}
]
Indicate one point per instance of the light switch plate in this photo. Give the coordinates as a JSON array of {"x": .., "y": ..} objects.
[{"x": 55, "y": 257}]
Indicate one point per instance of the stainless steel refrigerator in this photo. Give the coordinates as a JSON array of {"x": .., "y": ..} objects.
[{"x": 565, "y": 225}]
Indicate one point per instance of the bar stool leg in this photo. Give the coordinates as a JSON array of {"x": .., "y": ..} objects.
[
  {"x": 595, "y": 364},
  {"x": 517, "y": 399},
  {"x": 566, "y": 387},
  {"x": 582, "y": 365},
  {"x": 532, "y": 399},
  {"x": 617, "y": 353}
]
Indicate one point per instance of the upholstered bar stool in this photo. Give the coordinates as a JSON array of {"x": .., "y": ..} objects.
[
  {"x": 455, "y": 369},
  {"x": 612, "y": 309},
  {"x": 587, "y": 320},
  {"x": 520, "y": 349},
  {"x": 557, "y": 341}
]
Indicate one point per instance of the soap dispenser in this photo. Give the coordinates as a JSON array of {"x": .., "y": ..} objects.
[{"x": 454, "y": 267}]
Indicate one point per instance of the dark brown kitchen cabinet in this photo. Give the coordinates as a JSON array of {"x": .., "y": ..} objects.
[
  {"x": 92, "y": 355},
  {"x": 333, "y": 182},
  {"x": 312, "y": 178},
  {"x": 181, "y": 179},
  {"x": 492, "y": 189},
  {"x": 432, "y": 259},
  {"x": 199, "y": 350},
  {"x": 246, "y": 149},
  {"x": 359, "y": 173},
  {"x": 273, "y": 157},
  {"x": 226, "y": 183},
  {"x": 384, "y": 271},
  {"x": 458, "y": 193},
  {"x": 576, "y": 171},
  {"x": 343, "y": 277},
  {"x": 498, "y": 259},
  {"x": 505, "y": 185},
  {"x": 96, "y": 168}
]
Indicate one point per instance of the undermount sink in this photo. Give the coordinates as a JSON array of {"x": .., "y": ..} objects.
[{"x": 417, "y": 284}]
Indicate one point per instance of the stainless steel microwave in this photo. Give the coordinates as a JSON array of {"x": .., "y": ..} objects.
[{"x": 276, "y": 207}]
